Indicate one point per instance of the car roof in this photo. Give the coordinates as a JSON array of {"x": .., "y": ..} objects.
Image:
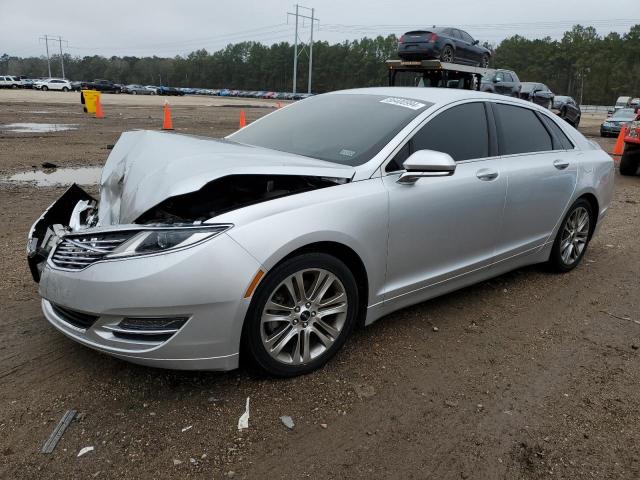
[{"x": 437, "y": 96}]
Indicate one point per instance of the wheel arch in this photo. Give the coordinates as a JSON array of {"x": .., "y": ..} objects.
[
  {"x": 350, "y": 258},
  {"x": 595, "y": 205}
]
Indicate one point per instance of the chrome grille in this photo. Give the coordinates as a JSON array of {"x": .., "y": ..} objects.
[{"x": 78, "y": 252}]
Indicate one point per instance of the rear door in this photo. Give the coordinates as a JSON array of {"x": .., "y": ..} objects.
[
  {"x": 541, "y": 167},
  {"x": 473, "y": 52},
  {"x": 443, "y": 227}
]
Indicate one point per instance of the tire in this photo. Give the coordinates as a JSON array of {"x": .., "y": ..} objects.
[
  {"x": 572, "y": 236},
  {"x": 13, "y": 85},
  {"x": 134, "y": 92},
  {"x": 44, "y": 88},
  {"x": 447, "y": 55},
  {"x": 65, "y": 89},
  {"x": 630, "y": 161},
  {"x": 300, "y": 321},
  {"x": 484, "y": 62}
]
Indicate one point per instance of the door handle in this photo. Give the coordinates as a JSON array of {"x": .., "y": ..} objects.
[
  {"x": 561, "y": 164},
  {"x": 486, "y": 174}
]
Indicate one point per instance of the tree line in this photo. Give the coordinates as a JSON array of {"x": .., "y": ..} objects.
[{"x": 581, "y": 64}]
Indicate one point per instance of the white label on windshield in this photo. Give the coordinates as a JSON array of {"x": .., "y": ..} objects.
[
  {"x": 403, "y": 102},
  {"x": 347, "y": 153}
]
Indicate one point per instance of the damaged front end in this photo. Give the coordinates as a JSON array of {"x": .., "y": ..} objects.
[{"x": 160, "y": 192}]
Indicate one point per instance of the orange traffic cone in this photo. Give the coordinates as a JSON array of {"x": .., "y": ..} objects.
[
  {"x": 166, "y": 117},
  {"x": 99, "y": 112},
  {"x": 243, "y": 120},
  {"x": 619, "y": 147}
]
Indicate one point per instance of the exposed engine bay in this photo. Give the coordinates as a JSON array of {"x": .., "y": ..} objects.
[{"x": 230, "y": 193}]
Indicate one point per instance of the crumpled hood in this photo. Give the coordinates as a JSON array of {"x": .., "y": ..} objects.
[{"x": 147, "y": 167}]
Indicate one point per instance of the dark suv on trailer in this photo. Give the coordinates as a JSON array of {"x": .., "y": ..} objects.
[
  {"x": 504, "y": 82},
  {"x": 450, "y": 45}
]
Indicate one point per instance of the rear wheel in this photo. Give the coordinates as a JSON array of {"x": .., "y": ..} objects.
[
  {"x": 65, "y": 89},
  {"x": 301, "y": 315},
  {"x": 447, "y": 54},
  {"x": 573, "y": 236}
]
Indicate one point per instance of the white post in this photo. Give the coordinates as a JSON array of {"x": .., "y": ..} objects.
[{"x": 310, "y": 52}]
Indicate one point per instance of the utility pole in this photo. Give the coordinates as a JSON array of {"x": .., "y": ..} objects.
[
  {"x": 46, "y": 41},
  {"x": 297, "y": 53},
  {"x": 61, "y": 56},
  {"x": 310, "y": 52}
]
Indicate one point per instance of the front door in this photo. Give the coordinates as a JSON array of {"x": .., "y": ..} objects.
[{"x": 443, "y": 227}]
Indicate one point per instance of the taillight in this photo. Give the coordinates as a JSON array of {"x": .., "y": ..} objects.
[
  {"x": 401, "y": 39},
  {"x": 434, "y": 37}
]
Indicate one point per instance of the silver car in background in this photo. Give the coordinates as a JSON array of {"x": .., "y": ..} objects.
[{"x": 278, "y": 240}]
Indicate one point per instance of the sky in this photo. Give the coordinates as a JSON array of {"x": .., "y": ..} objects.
[{"x": 168, "y": 28}]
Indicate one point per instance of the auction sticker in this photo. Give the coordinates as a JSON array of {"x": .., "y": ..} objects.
[{"x": 403, "y": 102}]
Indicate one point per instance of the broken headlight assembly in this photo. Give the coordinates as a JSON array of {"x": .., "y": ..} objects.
[{"x": 163, "y": 239}]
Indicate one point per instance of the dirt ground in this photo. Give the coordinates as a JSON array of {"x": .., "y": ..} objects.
[{"x": 530, "y": 375}]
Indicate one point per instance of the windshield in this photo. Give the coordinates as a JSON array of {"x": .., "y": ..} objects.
[
  {"x": 624, "y": 113},
  {"x": 527, "y": 86},
  {"x": 349, "y": 129}
]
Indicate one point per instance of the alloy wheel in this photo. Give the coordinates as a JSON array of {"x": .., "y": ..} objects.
[
  {"x": 304, "y": 316},
  {"x": 447, "y": 54},
  {"x": 575, "y": 235}
]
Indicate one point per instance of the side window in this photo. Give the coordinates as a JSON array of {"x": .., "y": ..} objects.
[
  {"x": 455, "y": 33},
  {"x": 507, "y": 77},
  {"x": 561, "y": 141},
  {"x": 465, "y": 36},
  {"x": 500, "y": 77},
  {"x": 443, "y": 132},
  {"x": 520, "y": 131}
]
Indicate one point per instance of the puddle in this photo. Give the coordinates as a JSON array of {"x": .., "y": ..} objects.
[
  {"x": 38, "y": 127},
  {"x": 57, "y": 176}
]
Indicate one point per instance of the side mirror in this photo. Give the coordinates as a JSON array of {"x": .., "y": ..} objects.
[
  {"x": 426, "y": 163},
  {"x": 497, "y": 79},
  {"x": 475, "y": 42}
]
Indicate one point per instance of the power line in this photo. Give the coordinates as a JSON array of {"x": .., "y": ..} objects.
[{"x": 46, "y": 39}]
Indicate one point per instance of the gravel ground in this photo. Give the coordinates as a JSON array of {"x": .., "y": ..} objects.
[{"x": 530, "y": 375}]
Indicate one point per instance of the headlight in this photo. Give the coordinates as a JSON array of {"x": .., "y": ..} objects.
[{"x": 158, "y": 240}]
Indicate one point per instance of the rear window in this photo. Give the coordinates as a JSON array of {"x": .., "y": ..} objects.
[
  {"x": 349, "y": 129},
  {"x": 520, "y": 130}
]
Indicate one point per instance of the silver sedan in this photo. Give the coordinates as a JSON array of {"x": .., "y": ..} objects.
[{"x": 277, "y": 241}]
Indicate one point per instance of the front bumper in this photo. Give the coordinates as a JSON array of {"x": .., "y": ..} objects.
[
  {"x": 610, "y": 129},
  {"x": 204, "y": 283}
]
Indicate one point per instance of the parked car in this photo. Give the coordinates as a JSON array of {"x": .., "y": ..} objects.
[
  {"x": 568, "y": 109},
  {"x": 613, "y": 124},
  {"x": 7, "y": 81},
  {"x": 621, "y": 102},
  {"x": 630, "y": 159},
  {"x": 53, "y": 84},
  {"x": 76, "y": 86},
  {"x": 135, "y": 89},
  {"x": 538, "y": 93},
  {"x": 104, "y": 86},
  {"x": 504, "y": 82},
  {"x": 196, "y": 212},
  {"x": 450, "y": 45},
  {"x": 162, "y": 90},
  {"x": 152, "y": 88}
]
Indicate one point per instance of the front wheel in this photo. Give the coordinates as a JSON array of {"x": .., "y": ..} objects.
[
  {"x": 301, "y": 315},
  {"x": 573, "y": 236},
  {"x": 45, "y": 88},
  {"x": 65, "y": 89}
]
